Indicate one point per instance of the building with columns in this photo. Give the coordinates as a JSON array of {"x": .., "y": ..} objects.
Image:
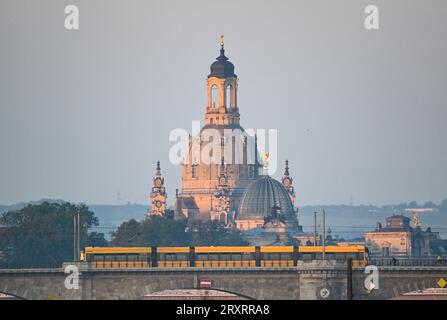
[{"x": 399, "y": 239}]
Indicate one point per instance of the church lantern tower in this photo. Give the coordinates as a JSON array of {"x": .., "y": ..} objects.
[
  {"x": 158, "y": 194},
  {"x": 222, "y": 138},
  {"x": 222, "y": 92}
]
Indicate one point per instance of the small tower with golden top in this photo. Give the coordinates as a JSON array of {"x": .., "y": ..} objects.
[
  {"x": 287, "y": 182},
  {"x": 158, "y": 194}
]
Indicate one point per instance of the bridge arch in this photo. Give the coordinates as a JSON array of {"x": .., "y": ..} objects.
[
  {"x": 12, "y": 295},
  {"x": 137, "y": 286}
]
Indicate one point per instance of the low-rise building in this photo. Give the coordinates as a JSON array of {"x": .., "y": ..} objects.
[{"x": 399, "y": 239}]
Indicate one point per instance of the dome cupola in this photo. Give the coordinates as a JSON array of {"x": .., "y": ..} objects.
[
  {"x": 261, "y": 196},
  {"x": 222, "y": 67}
]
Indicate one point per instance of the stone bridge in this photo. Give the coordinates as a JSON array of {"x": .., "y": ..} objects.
[{"x": 307, "y": 281}]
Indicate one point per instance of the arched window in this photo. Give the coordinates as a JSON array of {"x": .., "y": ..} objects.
[
  {"x": 214, "y": 96},
  {"x": 194, "y": 171},
  {"x": 228, "y": 96}
]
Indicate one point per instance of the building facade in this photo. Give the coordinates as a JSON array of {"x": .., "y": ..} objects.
[
  {"x": 221, "y": 178},
  {"x": 220, "y": 164},
  {"x": 399, "y": 239}
]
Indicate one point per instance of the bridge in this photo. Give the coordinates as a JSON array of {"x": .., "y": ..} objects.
[{"x": 308, "y": 281}]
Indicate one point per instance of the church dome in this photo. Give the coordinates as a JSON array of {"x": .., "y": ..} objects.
[
  {"x": 259, "y": 198},
  {"x": 222, "y": 68}
]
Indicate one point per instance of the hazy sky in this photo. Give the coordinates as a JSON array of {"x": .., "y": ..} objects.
[{"x": 86, "y": 114}]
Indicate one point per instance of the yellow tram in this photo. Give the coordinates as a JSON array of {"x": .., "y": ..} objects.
[{"x": 218, "y": 257}]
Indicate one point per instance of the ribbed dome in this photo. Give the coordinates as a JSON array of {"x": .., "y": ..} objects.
[
  {"x": 259, "y": 198},
  {"x": 222, "y": 68}
]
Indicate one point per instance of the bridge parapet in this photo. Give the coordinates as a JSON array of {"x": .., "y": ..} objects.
[
  {"x": 308, "y": 281},
  {"x": 410, "y": 262}
]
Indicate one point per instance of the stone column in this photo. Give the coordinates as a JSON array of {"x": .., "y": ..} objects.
[{"x": 322, "y": 280}]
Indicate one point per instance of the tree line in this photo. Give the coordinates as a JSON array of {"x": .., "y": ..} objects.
[{"x": 41, "y": 235}]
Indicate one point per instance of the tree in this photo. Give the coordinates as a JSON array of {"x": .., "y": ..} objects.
[
  {"x": 205, "y": 233},
  {"x": 96, "y": 239},
  {"x": 42, "y": 235},
  {"x": 214, "y": 233},
  {"x": 233, "y": 238},
  {"x": 154, "y": 231},
  {"x": 127, "y": 234},
  {"x": 166, "y": 231}
]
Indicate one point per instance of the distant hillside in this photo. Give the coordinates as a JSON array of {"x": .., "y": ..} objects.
[
  {"x": 347, "y": 221},
  {"x": 20, "y": 205},
  {"x": 111, "y": 216}
]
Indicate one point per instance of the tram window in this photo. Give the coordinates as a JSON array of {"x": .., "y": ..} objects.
[
  {"x": 109, "y": 257},
  {"x": 330, "y": 256},
  {"x": 214, "y": 257},
  {"x": 236, "y": 257},
  {"x": 98, "y": 258},
  {"x": 306, "y": 256},
  {"x": 274, "y": 256},
  {"x": 266, "y": 256},
  {"x": 340, "y": 256},
  {"x": 285, "y": 256},
  {"x": 170, "y": 257},
  {"x": 202, "y": 257},
  {"x": 143, "y": 257},
  {"x": 247, "y": 256},
  {"x": 132, "y": 257},
  {"x": 181, "y": 256},
  {"x": 121, "y": 257},
  {"x": 318, "y": 255},
  {"x": 225, "y": 256}
]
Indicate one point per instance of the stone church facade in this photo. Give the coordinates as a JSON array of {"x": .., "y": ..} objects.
[{"x": 221, "y": 178}]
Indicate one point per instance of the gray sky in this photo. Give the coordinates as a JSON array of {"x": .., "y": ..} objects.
[{"x": 86, "y": 114}]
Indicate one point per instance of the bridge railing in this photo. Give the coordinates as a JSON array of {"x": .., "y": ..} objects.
[{"x": 408, "y": 262}]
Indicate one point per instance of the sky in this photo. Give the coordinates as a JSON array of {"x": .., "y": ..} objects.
[{"x": 85, "y": 114}]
